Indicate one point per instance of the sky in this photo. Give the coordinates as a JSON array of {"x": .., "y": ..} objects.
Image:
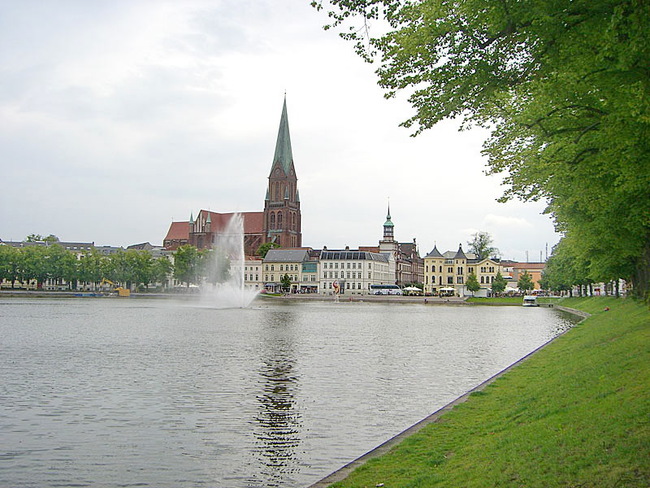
[{"x": 118, "y": 117}]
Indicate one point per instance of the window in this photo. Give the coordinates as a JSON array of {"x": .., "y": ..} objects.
[
  {"x": 460, "y": 271},
  {"x": 450, "y": 270},
  {"x": 450, "y": 280},
  {"x": 459, "y": 280},
  {"x": 272, "y": 268}
]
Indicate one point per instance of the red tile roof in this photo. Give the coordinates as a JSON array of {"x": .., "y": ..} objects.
[
  {"x": 253, "y": 224},
  {"x": 178, "y": 231}
]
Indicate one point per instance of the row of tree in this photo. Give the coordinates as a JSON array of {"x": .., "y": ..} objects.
[
  {"x": 564, "y": 88},
  {"x": 55, "y": 264}
]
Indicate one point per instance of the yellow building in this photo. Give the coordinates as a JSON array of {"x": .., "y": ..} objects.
[{"x": 446, "y": 274}]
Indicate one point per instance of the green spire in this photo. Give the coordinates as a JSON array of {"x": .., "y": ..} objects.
[
  {"x": 389, "y": 222},
  {"x": 283, "y": 155}
]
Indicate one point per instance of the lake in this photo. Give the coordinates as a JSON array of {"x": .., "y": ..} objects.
[{"x": 153, "y": 392}]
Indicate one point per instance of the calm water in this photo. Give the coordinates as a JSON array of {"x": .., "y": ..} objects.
[{"x": 142, "y": 392}]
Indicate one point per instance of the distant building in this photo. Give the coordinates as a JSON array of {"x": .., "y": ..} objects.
[
  {"x": 409, "y": 266},
  {"x": 446, "y": 274},
  {"x": 514, "y": 269},
  {"x": 279, "y": 222},
  {"x": 355, "y": 271},
  {"x": 300, "y": 265}
]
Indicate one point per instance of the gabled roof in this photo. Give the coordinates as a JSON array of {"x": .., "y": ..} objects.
[{"x": 283, "y": 156}]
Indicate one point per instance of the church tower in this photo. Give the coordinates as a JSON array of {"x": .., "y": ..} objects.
[{"x": 282, "y": 219}]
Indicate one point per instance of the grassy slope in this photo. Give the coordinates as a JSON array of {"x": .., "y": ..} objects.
[{"x": 575, "y": 414}]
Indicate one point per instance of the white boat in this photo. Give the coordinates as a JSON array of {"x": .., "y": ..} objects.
[{"x": 530, "y": 301}]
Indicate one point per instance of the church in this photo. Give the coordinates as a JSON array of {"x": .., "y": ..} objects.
[{"x": 279, "y": 222}]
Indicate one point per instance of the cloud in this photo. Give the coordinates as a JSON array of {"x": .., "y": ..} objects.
[{"x": 116, "y": 117}]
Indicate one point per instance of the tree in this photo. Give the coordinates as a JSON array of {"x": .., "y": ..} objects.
[
  {"x": 40, "y": 238},
  {"x": 525, "y": 282},
  {"x": 9, "y": 264},
  {"x": 499, "y": 283},
  {"x": 563, "y": 86},
  {"x": 472, "y": 283},
  {"x": 265, "y": 248},
  {"x": 187, "y": 265},
  {"x": 90, "y": 267},
  {"x": 161, "y": 270},
  {"x": 60, "y": 264},
  {"x": 481, "y": 245},
  {"x": 286, "y": 282}
]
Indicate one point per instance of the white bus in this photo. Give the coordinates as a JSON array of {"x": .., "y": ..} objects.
[{"x": 385, "y": 290}]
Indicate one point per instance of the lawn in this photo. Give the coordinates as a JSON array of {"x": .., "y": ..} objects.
[{"x": 576, "y": 414}]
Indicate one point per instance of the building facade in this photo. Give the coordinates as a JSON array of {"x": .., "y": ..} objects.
[
  {"x": 353, "y": 272},
  {"x": 446, "y": 274},
  {"x": 300, "y": 265}
]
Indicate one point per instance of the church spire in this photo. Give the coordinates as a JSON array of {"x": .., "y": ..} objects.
[{"x": 283, "y": 155}]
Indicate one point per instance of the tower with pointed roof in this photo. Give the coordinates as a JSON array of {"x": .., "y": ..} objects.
[
  {"x": 282, "y": 218},
  {"x": 388, "y": 242}
]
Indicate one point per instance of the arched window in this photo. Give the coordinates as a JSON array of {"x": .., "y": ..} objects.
[
  {"x": 279, "y": 220},
  {"x": 272, "y": 223}
]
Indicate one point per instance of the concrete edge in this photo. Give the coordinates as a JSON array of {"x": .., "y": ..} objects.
[{"x": 382, "y": 449}]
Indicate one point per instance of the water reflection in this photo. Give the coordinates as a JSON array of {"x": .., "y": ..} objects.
[{"x": 278, "y": 423}]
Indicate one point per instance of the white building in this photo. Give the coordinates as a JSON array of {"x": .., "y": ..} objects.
[{"x": 355, "y": 271}]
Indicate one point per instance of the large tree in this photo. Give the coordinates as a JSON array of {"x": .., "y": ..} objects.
[
  {"x": 562, "y": 85},
  {"x": 481, "y": 245}
]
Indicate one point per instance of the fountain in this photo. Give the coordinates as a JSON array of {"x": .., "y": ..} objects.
[{"x": 224, "y": 286}]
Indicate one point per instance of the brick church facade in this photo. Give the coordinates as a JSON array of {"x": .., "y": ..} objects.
[{"x": 279, "y": 222}]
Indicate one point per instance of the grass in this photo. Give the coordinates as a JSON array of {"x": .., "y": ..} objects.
[{"x": 576, "y": 414}]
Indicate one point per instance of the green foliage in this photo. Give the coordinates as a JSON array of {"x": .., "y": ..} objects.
[
  {"x": 187, "y": 265},
  {"x": 53, "y": 262},
  {"x": 472, "y": 283},
  {"x": 573, "y": 414},
  {"x": 39, "y": 238},
  {"x": 161, "y": 269},
  {"x": 265, "y": 248},
  {"x": 481, "y": 245},
  {"x": 9, "y": 263},
  {"x": 564, "y": 86},
  {"x": 499, "y": 283},
  {"x": 525, "y": 282},
  {"x": 286, "y": 282}
]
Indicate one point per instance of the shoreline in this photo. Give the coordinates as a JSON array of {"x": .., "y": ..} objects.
[{"x": 343, "y": 472}]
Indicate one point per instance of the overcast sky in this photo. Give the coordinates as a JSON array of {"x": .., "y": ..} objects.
[{"x": 118, "y": 117}]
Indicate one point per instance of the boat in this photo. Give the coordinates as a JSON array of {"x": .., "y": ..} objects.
[{"x": 530, "y": 301}]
